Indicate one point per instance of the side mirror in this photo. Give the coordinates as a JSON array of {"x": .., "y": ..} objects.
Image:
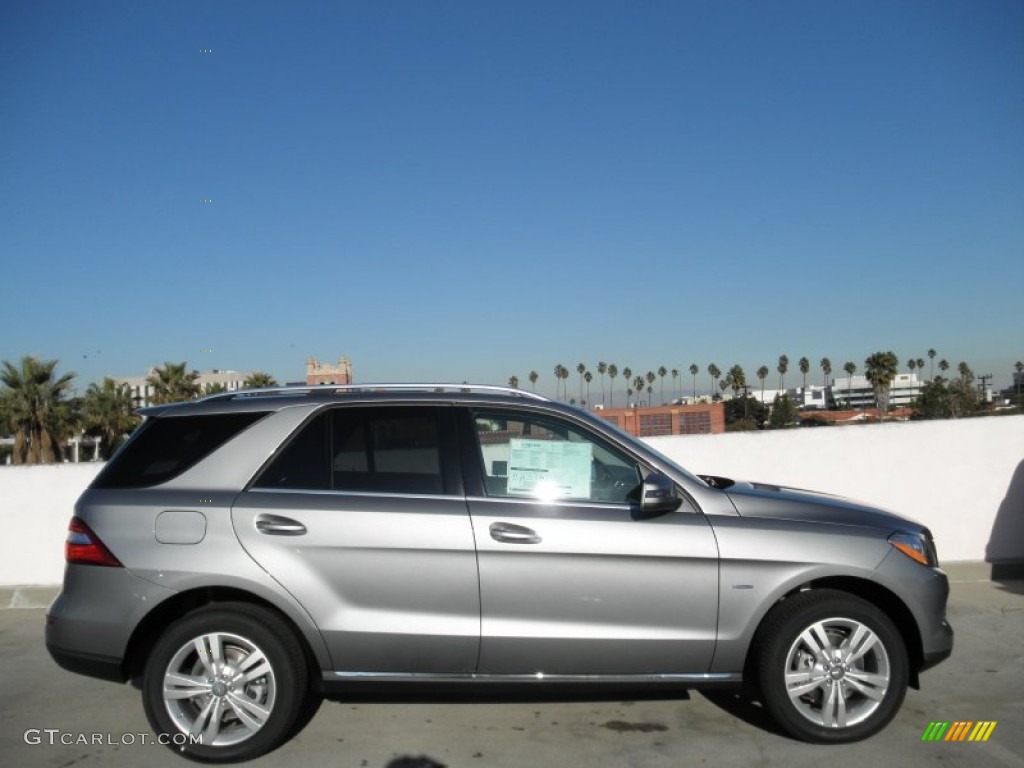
[{"x": 658, "y": 495}]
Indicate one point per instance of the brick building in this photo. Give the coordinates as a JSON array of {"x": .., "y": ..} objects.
[
  {"x": 317, "y": 373},
  {"x": 703, "y": 419}
]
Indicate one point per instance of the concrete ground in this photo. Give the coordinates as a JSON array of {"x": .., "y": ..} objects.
[{"x": 982, "y": 681}]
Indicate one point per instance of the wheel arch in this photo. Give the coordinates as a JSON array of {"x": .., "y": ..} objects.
[
  {"x": 873, "y": 592},
  {"x": 157, "y": 620}
]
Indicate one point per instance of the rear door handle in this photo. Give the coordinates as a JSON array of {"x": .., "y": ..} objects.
[
  {"x": 513, "y": 534},
  {"x": 275, "y": 525}
]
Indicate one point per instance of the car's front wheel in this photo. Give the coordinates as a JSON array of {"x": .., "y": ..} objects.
[
  {"x": 225, "y": 683},
  {"x": 832, "y": 667}
]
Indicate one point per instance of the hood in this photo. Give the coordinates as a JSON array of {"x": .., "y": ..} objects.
[{"x": 782, "y": 503}]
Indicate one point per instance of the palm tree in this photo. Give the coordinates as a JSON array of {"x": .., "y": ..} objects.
[
  {"x": 214, "y": 388},
  {"x": 715, "y": 372},
  {"x": 107, "y": 414},
  {"x": 805, "y": 366},
  {"x": 638, "y": 387},
  {"x": 259, "y": 380},
  {"x": 762, "y": 374},
  {"x": 613, "y": 371},
  {"x": 943, "y": 365},
  {"x": 662, "y": 371},
  {"x": 965, "y": 371},
  {"x": 602, "y": 369},
  {"x": 826, "y": 368},
  {"x": 675, "y": 378},
  {"x": 650, "y": 381},
  {"x": 172, "y": 383},
  {"x": 581, "y": 369},
  {"x": 880, "y": 369},
  {"x": 783, "y": 367},
  {"x": 912, "y": 364},
  {"x": 533, "y": 379},
  {"x": 34, "y": 409},
  {"x": 627, "y": 375},
  {"x": 694, "y": 370},
  {"x": 513, "y": 381},
  {"x": 1019, "y": 367},
  {"x": 737, "y": 379},
  {"x": 850, "y": 369},
  {"x": 588, "y": 377},
  {"x": 931, "y": 358},
  {"x": 920, "y": 366}
]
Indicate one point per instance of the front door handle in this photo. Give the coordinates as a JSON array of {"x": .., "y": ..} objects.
[
  {"x": 276, "y": 525},
  {"x": 513, "y": 534}
]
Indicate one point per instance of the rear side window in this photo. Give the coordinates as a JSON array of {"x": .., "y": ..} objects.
[
  {"x": 380, "y": 449},
  {"x": 166, "y": 447}
]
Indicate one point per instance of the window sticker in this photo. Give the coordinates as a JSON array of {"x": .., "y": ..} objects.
[{"x": 549, "y": 469}]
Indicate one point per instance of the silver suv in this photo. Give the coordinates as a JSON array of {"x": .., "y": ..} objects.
[{"x": 245, "y": 555}]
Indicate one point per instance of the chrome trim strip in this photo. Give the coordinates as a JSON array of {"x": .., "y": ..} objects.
[
  {"x": 350, "y": 494},
  {"x": 539, "y": 677},
  {"x": 549, "y": 502}
]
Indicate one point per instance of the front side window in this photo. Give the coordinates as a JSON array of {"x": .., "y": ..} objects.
[
  {"x": 380, "y": 449},
  {"x": 543, "y": 458}
]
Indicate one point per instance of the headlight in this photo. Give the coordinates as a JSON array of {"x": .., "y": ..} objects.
[{"x": 917, "y": 546}]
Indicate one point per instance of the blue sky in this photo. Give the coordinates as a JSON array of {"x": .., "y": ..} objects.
[{"x": 471, "y": 190}]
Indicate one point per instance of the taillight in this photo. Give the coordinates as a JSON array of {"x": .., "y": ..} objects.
[{"x": 83, "y": 547}]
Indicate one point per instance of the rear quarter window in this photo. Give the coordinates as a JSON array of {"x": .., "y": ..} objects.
[{"x": 166, "y": 447}]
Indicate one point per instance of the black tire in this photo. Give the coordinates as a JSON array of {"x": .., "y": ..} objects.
[
  {"x": 260, "y": 685},
  {"x": 838, "y": 691}
]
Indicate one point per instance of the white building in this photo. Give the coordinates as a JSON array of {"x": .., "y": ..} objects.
[
  {"x": 857, "y": 391},
  {"x": 142, "y": 391}
]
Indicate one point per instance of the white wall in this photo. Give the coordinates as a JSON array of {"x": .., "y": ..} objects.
[
  {"x": 36, "y": 504},
  {"x": 964, "y": 479}
]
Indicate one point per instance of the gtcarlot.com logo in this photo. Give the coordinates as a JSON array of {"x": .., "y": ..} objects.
[
  {"x": 958, "y": 730},
  {"x": 54, "y": 736}
]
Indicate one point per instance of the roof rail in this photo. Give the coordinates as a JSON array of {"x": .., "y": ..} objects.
[{"x": 313, "y": 389}]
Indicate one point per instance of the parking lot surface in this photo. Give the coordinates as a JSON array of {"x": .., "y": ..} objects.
[{"x": 54, "y": 718}]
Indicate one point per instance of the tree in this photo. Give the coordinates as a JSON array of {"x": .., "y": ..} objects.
[
  {"x": 107, "y": 414},
  {"x": 714, "y": 372},
  {"x": 259, "y": 380},
  {"x": 920, "y": 366},
  {"x": 912, "y": 364},
  {"x": 931, "y": 358},
  {"x": 627, "y": 376},
  {"x": 513, "y": 381},
  {"x": 762, "y": 374},
  {"x": 826, "y": 368},
  {"x": 662, "y": 371},
  {"x": 675, "y": 378},
  {"x": 782, "y": 368},
  {"x": 1019, "y": 368},
  {"x": 694, "y": 370},
  {"x": 35, "y": 409},
  {"x": 737, "y": 379},
  {"x": 850, "y": 368},
  {"x": 533, "y": 379},
  {"x": 805, "y": 366},
  {"x": 581, "y": 369},
  {"x": 880, "y": 369},
  {"x": 965, "y": 372},
  {"x": 744, "y": 414},
  {"x": 650, "y": 381},
  {"x": 588, "y": 377},
  {"x": 638, "y": 388},
  {"x": 602, "y": 369},
  {"x": 783, "y": 411},
  {"x": 172, "y": 383},
  {"x": 943, "y": 365},
  {"x": 214, "y": 388},
  {"x": 613, "y": 371}
]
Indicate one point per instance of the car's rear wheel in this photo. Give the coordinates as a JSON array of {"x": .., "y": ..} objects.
[
  {"x": 832, "y": 667},
  {"x": 225, "y": 683}
]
